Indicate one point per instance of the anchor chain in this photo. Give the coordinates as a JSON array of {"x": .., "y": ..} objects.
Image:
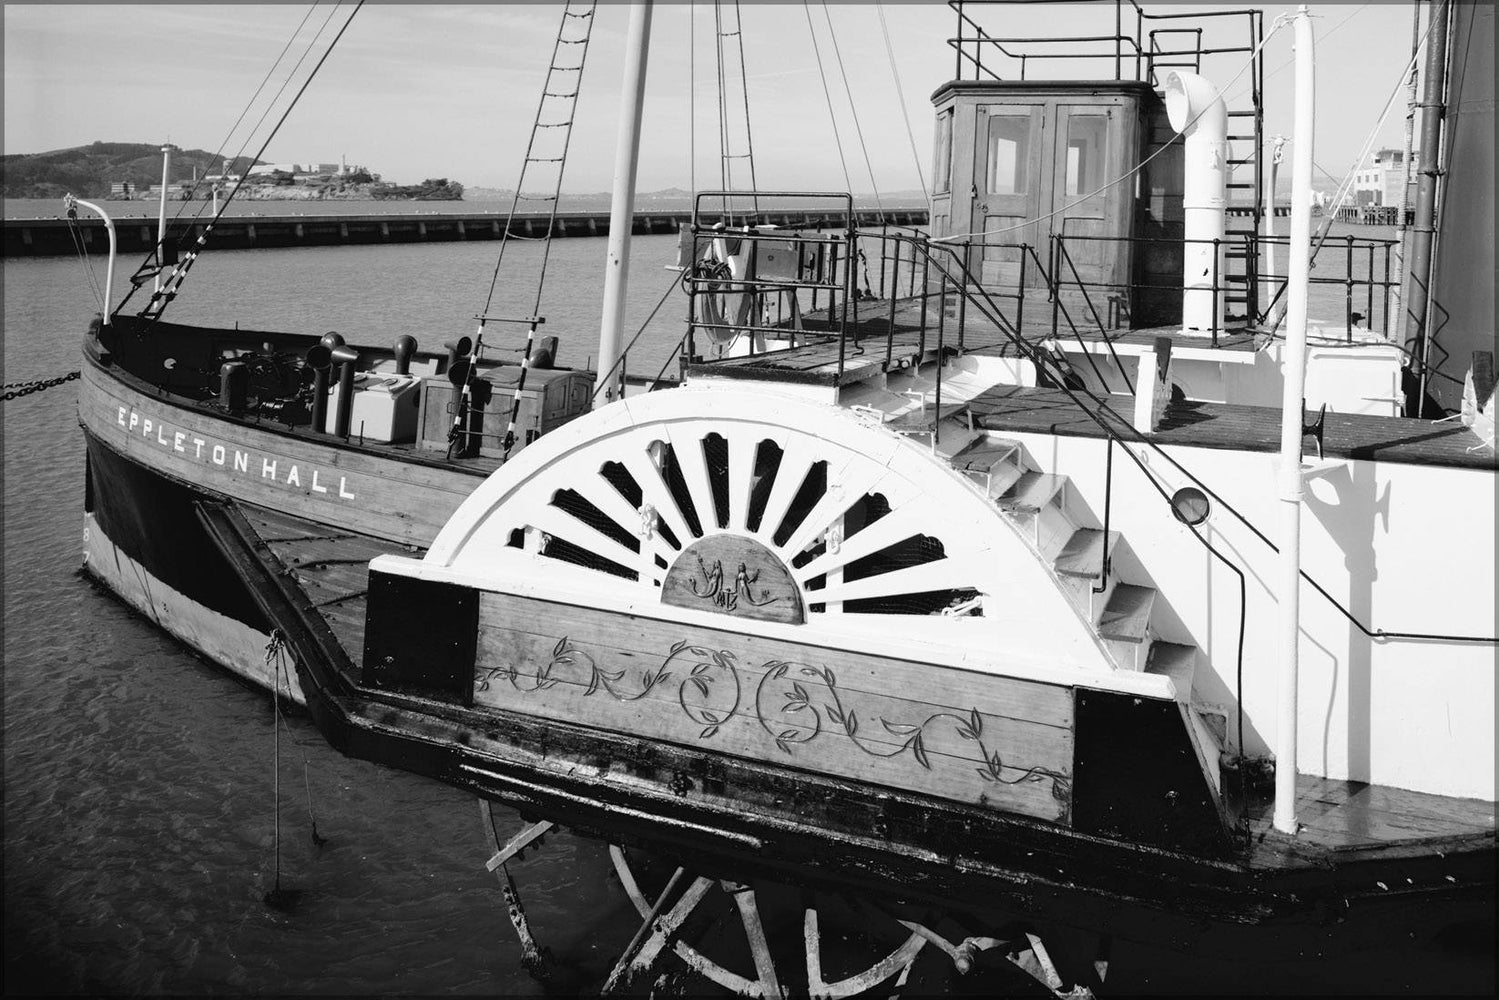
[{"x": 14, "y": 390}]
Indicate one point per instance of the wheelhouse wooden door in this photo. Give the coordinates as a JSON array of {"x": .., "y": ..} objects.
[
  {"x": 1085, "y": 155},
  {"x": 1007, "y": 175}
]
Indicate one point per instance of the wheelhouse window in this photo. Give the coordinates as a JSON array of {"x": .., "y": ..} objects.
[
  {"x": 1009, "y": 154},
  {"x": 1087, "y": 139},
  {"x": 942, "y": 175}
]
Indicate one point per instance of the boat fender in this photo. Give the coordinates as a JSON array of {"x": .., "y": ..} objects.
[
  {"x": 234, "y": 385},
  {"x": 405, "y": 348}
]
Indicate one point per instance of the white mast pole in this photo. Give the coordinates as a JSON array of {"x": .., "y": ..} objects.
[
  {"x": 161, "y": 221},
  {"x": 622, "y": 208},
  {"x": 1297, "y": 272}
]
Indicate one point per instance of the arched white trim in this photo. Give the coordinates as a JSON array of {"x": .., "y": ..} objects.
[{"x": 1025, "y": 614}]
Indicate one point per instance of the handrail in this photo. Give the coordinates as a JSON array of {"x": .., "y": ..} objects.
[
  {"x": 1116, "y": 422},
  {"x": 1360, "y": 252},
  {"x": 1061, "y": 245}
]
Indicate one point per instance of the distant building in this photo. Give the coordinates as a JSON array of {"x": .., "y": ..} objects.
[
  {"x": 1378, "y": 182},
  {"x": 303, "y": 170}
]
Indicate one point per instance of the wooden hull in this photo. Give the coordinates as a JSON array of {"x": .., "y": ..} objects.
[
  {"x": 988, "y": 796},
  {"x": 371, "y": 494}
]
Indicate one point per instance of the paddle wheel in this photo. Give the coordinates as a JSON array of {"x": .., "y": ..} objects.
[{"x": 771, "y": 941}]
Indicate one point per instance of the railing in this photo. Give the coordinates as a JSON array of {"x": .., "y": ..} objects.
[
  {"x": 1364, "y": 277},
  {"x": 1135, "y": 50},
  {"x": 837, "y": 289},
  {"x": 1214, "y": 42}
]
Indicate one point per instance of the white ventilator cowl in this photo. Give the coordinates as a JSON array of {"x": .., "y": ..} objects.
[{"x": 1196, "y": 110}]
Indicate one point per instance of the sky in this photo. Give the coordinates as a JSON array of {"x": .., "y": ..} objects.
[{"x": 418, "y": 91}]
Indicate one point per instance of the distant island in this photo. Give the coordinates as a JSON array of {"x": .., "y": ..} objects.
[{"x": 132, "y": 170}]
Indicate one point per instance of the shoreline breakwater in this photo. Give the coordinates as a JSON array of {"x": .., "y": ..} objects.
[{"x": 51, "y": 237}]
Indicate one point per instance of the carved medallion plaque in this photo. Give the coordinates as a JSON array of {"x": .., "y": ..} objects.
[{"x": 733, "y": 576}]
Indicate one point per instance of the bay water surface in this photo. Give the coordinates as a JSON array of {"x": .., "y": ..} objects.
[{"x": 138, "y": 794}]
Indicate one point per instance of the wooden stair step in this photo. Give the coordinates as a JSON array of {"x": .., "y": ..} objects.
[
  {"x": 1174, "y": 660},
  {"x": 994, "y": 464},
  {"x": 1083, "y": 554},
  {"x": 1127, "y": 615},
  {"x": 922, "y": 422},
  {"x": 1031, "y": 492},
  {"x": 982, "y": 456}
]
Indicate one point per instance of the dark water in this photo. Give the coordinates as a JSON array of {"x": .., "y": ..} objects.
[{"x": 138, "y": 792}]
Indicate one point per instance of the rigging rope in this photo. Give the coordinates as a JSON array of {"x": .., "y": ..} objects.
[
  {"x": 1119, "y": 423},
  {"x": 219, "y": 152},
  {"x": 603, "y": 378},
  {"x": 163, "y": 296},
  {"x": 586, "y": 16},
  {"x": 726, "y": 154},
  {"x": 828, "y": 95},
  {"x": 1345, "y": 186},
  {"x": 692, "y": 99},
  {"x": 853, "y": 109},
  {"x": 291, "y": 75},
  {"x": 725, "y": 173},
  {"x": 904, "y": 112},
  {"x": 749, "y": 135},
  {"x": 79, "y": 245},
  {"x": 154, "y": 263},
  {"x": 1289, "y": 62}
]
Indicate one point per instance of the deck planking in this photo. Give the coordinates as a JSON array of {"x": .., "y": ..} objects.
[
  {"x": 1344, "y": 817},
  {"x": 331, "y": 569},
  {"x": 1016, "y": 409}
]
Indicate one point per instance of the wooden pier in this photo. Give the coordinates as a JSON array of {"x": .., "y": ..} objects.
[
  {"x": 1375, "y": 215},
  {"x": 50, "y": 237}
]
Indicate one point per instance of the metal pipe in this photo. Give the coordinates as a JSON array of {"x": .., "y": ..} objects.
[
  {"x": 346, "y": 358},
  {"x": 405, "y": 348},
  {"x": 622, "y": 206},
  {"x": 1418, "y": 290},
  {"x": 1196, "y": 110},
  {"x": 1292, "y": 402},
  {"x": 68, "y": 202},
  {"x": 161, "y": 221}
]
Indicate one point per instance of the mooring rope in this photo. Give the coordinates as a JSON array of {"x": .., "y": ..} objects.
[
  {"x": 277, "y": 658},
  {"x": 272, "y": 652}
]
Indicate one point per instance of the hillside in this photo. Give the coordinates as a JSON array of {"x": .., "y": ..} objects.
[{"x": 88, "y": 171}]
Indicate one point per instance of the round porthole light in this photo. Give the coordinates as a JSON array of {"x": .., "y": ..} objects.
[{"x": 1190, "y": 505}]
